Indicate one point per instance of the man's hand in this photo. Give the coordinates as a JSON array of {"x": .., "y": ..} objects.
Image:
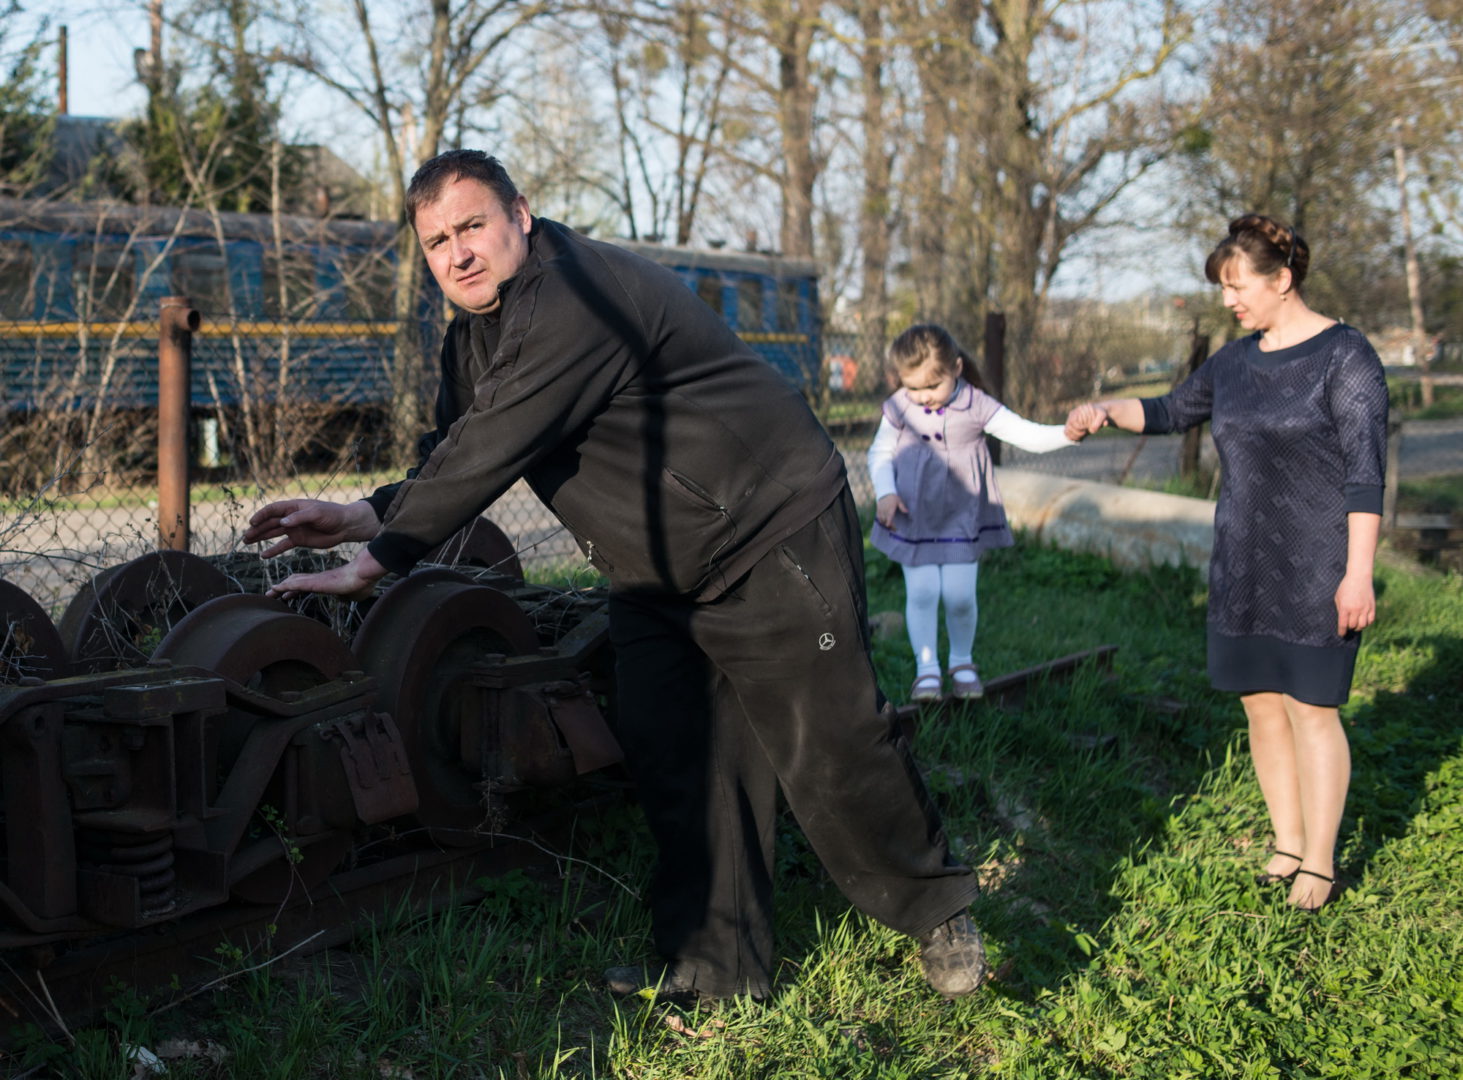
[
  {"x": 354, "y": 580},
  {"x": 311, "y": 523},
  {"x": 1085, "y": 420},
  {"x": 1356, "y": 603},
  {"x": 885, "y": 509}
]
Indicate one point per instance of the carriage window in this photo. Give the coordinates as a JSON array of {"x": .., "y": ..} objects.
[
  {"x": 17, "y": 273},
  {"x": 202, "y": 275},
  {"x": 709, "y": 289},
  {"x": 104, "y": 279},
  {"x": 368, "y": 280},
  {"x": 788, "y": 315},
  {"x": 290, "y": 290},
  {"x": 749, "y": 304}
]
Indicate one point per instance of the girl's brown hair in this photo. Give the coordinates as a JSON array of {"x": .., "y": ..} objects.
[
  {"x": 925, "y": 342},
  {"x": 1266, "y": 244}
]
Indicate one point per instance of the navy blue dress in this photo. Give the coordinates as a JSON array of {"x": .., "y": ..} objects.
[{"x": 1302, "y": 440}]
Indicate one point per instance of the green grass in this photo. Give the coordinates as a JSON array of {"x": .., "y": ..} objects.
[{"x": 1115, "y": 824}]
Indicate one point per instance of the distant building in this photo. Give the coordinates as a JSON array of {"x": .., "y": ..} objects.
[{"x": 80, "y": 144}]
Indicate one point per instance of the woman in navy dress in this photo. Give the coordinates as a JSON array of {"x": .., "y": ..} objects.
[{"x": 1298, "y": 410}]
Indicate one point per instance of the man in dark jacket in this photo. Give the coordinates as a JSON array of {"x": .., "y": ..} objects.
[{"x": 698, "y": 481}]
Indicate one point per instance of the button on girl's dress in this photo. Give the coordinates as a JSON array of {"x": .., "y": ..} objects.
[
  {"x": 939, "y": 436},
  {"x": 926, "y": 438}
]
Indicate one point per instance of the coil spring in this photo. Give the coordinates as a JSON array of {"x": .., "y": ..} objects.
[{"x": 148, "y": 857}]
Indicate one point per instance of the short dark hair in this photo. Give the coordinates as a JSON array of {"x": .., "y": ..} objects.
[
  {"x": 1266, "y": 244},
  {"x": 450, "y": 165}
]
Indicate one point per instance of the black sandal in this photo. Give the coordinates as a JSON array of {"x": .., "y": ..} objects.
[
  {"x": 1280, "y": 879},
  {"x": 1331, "y": 893}
]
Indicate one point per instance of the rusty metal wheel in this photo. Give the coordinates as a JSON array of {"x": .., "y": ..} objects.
[
  {"x": 260, "y": 644},
  {"x": 120, "y": 616},
  {"x": 420, "y": 641},
  {"x": 30, "y": 646},
  {"x": 480, "y": 544}
]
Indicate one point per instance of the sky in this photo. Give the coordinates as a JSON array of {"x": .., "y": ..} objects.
[{"x": 100, "y": 41}]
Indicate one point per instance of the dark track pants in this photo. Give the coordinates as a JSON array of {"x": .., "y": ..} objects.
[{"x": 771, "y": 683}]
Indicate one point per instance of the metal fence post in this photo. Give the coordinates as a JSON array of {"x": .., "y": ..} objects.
[
  {"x": 177, "y": 323},
  {"x": 1393, "y": 475},
  {"x": 994, "y": 367}
]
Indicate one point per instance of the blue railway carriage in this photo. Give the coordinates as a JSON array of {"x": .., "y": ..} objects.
[
  {"x": 294, "y": 309},
  {"x": 770, "y": 301}
]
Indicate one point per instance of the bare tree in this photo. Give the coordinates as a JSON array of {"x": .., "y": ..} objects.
[
  {"x": 1034, "y": 117},
  {"x": 668, "y": 68},
  {"x": 408, "y": 68},
  {"x": 875, "y": 138},
  {"x": 1298, "y": 123}
]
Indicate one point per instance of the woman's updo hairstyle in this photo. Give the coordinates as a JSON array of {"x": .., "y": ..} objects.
[
  {"x": 924, "y": 342},
  {"x": 1267, "y": 245}
]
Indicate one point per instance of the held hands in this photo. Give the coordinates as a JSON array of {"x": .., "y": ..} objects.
[
  {"x": 310, "y": 523},
  {"x": 1356, "y": 603},
  {"x": 1085, "y": 420},
  {"x": 886, "y": 508}
]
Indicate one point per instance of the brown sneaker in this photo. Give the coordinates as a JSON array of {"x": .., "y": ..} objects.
[{"x": 953, "y": 957}]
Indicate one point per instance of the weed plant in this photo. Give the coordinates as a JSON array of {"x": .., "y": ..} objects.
[{"x": 1115, "y": 824}]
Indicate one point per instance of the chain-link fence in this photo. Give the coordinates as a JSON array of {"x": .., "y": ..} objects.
[{"x": 280, "y": 404}]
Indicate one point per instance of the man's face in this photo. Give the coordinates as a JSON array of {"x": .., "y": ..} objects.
[{"x": 472, "y": 244}]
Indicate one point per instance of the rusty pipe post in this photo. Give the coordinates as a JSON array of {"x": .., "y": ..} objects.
[
  {"x": 63, "y": 73},
  {"x": 174, "y": 374}
]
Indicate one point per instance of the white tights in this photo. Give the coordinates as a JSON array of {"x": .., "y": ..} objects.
[{"x": 924, "y": 588}]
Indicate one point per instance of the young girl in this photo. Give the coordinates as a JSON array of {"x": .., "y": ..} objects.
[{"x": 938, "y": 506}]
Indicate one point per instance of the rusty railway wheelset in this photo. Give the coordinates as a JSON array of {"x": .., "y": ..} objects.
[{"x": 177, "y": 748}]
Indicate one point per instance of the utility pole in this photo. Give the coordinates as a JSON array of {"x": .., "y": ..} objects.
[
  {"x": 62, "y": 95},
  {"x": 1421, "y": 352}
]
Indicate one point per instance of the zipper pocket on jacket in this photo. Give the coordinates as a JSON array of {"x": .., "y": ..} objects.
[
  {"x": 690, "y": 487},
  {"x": 707, "y": 501}
]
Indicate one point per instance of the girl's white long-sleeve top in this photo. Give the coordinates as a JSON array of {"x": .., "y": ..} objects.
[{"x": 1005, "y": 425}]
